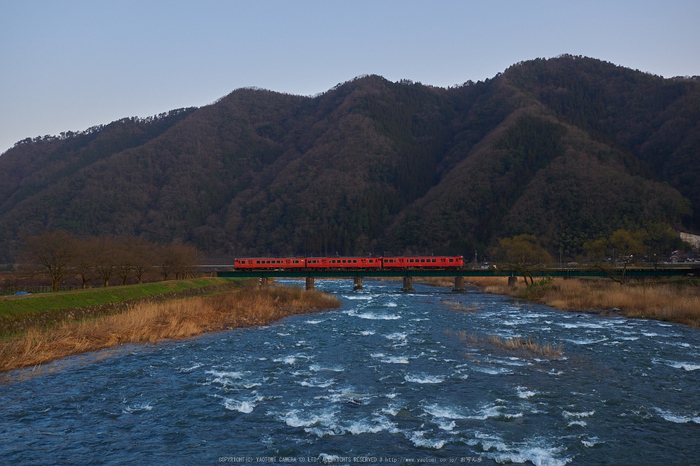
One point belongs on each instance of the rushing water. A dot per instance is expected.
(384, 378)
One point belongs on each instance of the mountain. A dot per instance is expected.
(568, 149)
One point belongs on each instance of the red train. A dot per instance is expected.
(352, 263)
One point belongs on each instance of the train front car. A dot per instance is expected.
(446, 262)
(269, 263)
(344, 263)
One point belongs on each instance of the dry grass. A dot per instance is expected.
(529, 345)
(495, 285)
(660, 301)
(510, 344)
(458, 306)
(437, 281)
(153, 322)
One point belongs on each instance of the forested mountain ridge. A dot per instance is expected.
(568, 149)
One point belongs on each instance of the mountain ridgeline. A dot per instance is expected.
(567, 149)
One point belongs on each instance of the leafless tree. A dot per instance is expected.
(144, 256)
(178, 259)
(53, 251)
(106, 259)
(84, 261)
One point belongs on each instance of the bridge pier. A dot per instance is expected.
(459, 284)
(512, 281)
(264, 281)
(407, 284)
(357, 284)
(309, 283)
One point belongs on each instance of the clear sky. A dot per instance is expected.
(66, 65)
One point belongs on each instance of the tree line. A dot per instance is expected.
(61, 255)
(612, 255)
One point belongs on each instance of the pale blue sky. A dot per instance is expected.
(68, 65)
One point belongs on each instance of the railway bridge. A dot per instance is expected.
(459, 275)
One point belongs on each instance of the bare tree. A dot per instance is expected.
(105, 259)
(54, 251)
(84, 261)
(522, 253)
(178, 259)
(623, 246)
(124, 259)
(144, 256)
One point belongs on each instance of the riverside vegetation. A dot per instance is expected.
(669, 301)
(153, 322)
(663, 300)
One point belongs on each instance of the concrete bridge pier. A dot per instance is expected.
(309, 283)
(357, 284)
(459, 284)
(407, 284)
(512, 281)
(264, 281)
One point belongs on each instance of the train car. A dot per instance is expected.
(344, 262)
(269, 263)
(440, 262)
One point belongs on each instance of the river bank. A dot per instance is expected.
(154, 322)
(20, 313)
(665, 301)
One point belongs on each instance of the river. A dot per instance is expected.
(388, 377)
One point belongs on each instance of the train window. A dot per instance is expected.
(451, 260)
(354, 261)
(422, 260)
(434, 260)
(344, 261)
(370, 261)
(257, 262)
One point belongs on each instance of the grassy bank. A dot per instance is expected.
(10, 305)
(153, 322)
(673, 302)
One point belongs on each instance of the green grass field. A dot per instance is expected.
(11, 305)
